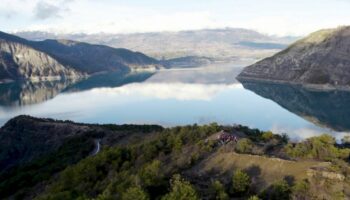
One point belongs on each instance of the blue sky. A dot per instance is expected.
(274, 17)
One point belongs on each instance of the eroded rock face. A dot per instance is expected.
(19, 61)
(58, 59)
(321, 60)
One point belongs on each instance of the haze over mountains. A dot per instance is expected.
(321, 60)
(56, 59)
(229, 43)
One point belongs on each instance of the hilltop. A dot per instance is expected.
(321, 60)
(67, 160)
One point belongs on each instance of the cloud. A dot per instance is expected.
(44, 10)
(178, 91)
(290, 17)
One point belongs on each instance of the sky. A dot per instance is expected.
(273, 17)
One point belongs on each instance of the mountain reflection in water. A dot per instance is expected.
(24, 93)
(329, 109)
(180, 97)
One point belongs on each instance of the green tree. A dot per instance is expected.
(266, 136)
(301, 190)
(135, 193)
(181, 190)
(321, 147)
(280, 191)
(219, 189)
(244, 145)
(241, 182)
(151, 174)
(253, 198)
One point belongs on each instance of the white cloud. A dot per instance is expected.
(45, 10)
(178, 91)
(296, 17)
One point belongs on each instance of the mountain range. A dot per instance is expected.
(219, 44)
(321, 61)
(57, 59)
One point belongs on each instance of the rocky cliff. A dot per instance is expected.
(20, 61)
(57, 59)
(321, 60)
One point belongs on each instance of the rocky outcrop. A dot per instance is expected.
(19, 61)
(315, 172)
(63, 59)
(321, 60)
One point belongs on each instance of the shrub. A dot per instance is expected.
(241, 182)
(244, 146)
(301, 190)
(253, 198)
(181, 190)
(151, 174)
(266, 136)
(321, 147)
(219, 189)
(135, 193)
(278, 191)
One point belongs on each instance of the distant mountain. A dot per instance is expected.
(321, 60)
(187, 61)
(229, 43)
(56, 59)
(95, 58)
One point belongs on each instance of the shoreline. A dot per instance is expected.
(310, 87)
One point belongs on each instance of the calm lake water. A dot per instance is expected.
(180, 97)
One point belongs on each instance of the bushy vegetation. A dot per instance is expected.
(219, 191)
(277, 191)
(181, 190)
(240, 182)
(136, 169)
(18, 179)
(244, 145)
(158, 166)
(322, 148)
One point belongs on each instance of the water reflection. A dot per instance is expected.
(24, 93)
(329, 109)
(179, 97)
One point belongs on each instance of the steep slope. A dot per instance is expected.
(64, 164)
(33, 150)
(25, 138)
(56, 59)
(95, 58)
(18, 60)
(320, 60)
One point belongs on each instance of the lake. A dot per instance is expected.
(179, 97)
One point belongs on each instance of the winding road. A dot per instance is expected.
(97, 147)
